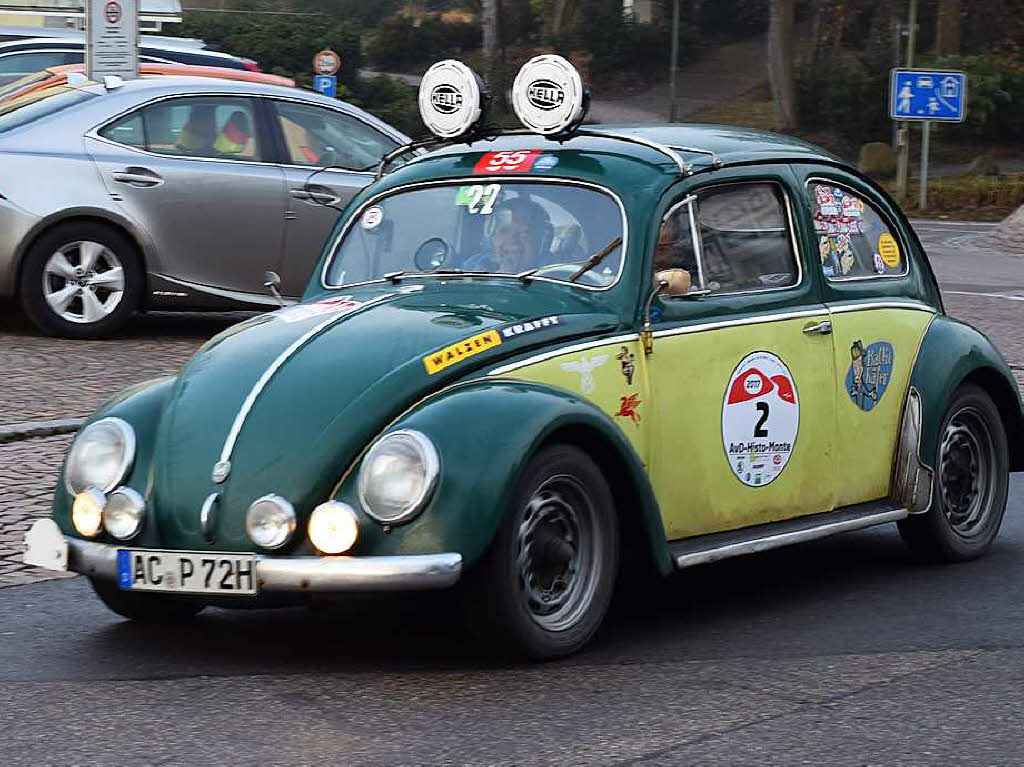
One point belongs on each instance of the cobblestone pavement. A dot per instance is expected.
(28, 470)
(55, 377)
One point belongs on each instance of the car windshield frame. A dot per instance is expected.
(482, 179)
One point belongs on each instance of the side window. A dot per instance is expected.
(31, 61)
(730, 238)
(854, 241)
(215, 126)
(128, 130)
(321, 137)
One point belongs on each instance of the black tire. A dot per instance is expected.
(561, 497)
(970, 483)
(63, 237)
(145, 608)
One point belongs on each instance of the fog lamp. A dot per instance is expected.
(270, 521)
(87, 512)
(123, 514)
(333, 527)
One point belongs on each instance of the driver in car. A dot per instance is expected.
(519, 228)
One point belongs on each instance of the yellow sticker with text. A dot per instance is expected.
(457, 352)
(889, 250)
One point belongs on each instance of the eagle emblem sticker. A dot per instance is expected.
(760, 419)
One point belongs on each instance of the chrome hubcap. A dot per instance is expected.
(966, 472)
(558, 566)
(83, 282)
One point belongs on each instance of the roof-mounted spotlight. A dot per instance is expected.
(548, 96)
(453, 100)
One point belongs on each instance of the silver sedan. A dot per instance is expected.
(171, 193)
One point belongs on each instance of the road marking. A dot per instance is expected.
(985, 295)
(923, 222)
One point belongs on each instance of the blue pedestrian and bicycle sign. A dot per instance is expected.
(326, 84)
(928, 95)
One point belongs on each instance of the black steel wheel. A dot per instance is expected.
(545, 585)
(145, 608)
(970, 482)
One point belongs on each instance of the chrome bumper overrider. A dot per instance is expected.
(413, 572)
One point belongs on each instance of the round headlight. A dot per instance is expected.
(333, 527)
(397, 476)
(100, 456)
(123, 514)
(87, 512)
(270, 521)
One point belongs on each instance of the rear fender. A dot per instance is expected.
(485, 432)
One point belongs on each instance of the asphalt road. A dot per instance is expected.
(844, 651)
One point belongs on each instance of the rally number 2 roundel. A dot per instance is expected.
(760, 419)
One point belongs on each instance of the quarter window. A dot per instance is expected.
(128, 130)
(323, 137)
(853, 239)
(730, 238)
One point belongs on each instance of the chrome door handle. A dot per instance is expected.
(300, 194)
(822, 328)
(138, 177)
(316, 196)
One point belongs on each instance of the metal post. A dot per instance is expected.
(903, 138)
(674, 62)
(925, 133)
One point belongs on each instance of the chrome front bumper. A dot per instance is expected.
(295, 575)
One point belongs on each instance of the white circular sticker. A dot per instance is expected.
(760, 419)
(372, 217)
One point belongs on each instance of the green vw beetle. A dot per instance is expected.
(529, 361)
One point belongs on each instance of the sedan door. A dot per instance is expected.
(330, 155)
(191, 172)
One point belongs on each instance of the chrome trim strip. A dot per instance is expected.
(456, 181)
(842, 308)
(264, 379)
(755, 320)
(784, 539)
(305, 574)
(563, 350)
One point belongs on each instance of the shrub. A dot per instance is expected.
(400, 43)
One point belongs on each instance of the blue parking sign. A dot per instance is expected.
(917, 94)
(326, 84)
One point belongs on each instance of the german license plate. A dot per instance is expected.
(186, 572)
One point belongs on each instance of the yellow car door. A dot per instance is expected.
(742, 370)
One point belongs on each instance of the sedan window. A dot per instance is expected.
(214, 127)
(315, 136)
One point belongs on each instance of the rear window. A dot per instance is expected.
(39, 104)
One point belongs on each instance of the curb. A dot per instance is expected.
(14, 432)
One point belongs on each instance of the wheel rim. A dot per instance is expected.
(558, 566)
(83, 282)
(967, 472)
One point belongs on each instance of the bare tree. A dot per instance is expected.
(780, 63)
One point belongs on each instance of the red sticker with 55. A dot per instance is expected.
(519, 161)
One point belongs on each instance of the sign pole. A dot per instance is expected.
(903, 137)
(925, 134)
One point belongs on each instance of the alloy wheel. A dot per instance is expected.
(83, 282)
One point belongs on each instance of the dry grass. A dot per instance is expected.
(980, 198)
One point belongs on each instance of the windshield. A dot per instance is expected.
(32, 106)
(554, 230)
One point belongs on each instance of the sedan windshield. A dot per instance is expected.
(553, 230)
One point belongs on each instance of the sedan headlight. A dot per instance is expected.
(100, 456)
(397, 476)
(270, 521)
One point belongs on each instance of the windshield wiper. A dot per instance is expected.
(596, 259)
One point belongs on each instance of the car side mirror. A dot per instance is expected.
(677, 281)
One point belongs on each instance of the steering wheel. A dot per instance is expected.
(431, 254)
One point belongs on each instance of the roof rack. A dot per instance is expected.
(716, 162)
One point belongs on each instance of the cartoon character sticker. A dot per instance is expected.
(760, 419)
(627, 360)
(869, 374)
(585, 366)
(628, 408)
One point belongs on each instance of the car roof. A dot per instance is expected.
(74, 43)
(147, 68)
(18, 34)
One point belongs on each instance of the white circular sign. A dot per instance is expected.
(372, 217)
(548, 95)
(760, 419)
(326, 63)
(451, 99)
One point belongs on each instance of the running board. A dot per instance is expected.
(714, 546)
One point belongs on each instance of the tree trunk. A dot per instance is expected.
(947, 27)
(494, 70)
(561, 17)
(780, 63)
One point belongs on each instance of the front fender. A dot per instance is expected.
(140, 406)
(485, 432)
(953, 353)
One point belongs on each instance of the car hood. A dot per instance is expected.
(302, 390)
